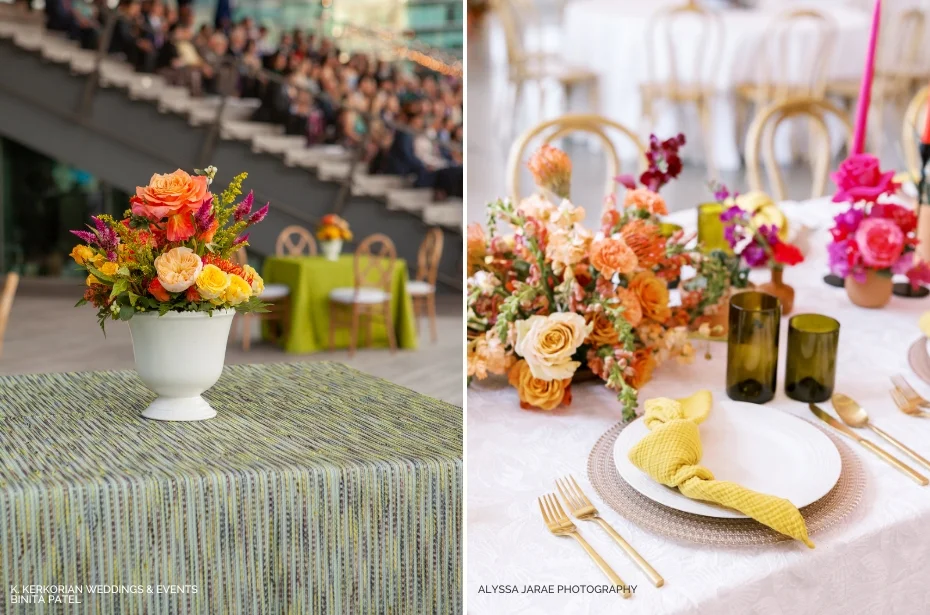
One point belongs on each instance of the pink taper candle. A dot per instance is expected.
(865, 90)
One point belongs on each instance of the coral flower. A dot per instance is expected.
(880, 241)
(551, 169)
(158, 291)
(645, 199)
(178, 269)
(169, 195)
(611, 255)
(644, 362)
(180, 227)
(632, 310)
(652, 293)
(477, 247)
(646, 241)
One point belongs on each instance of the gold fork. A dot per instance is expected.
(911, 397)
(583, 509)
(560, 525)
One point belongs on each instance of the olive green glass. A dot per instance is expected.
(752, 346)
(810, 370)
(710, 228)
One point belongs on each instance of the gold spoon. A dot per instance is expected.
(906, 407)
(855, 415)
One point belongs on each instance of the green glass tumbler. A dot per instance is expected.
(752, 346)
(810, 369)
(710, 228)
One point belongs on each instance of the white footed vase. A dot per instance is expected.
(179, 356)
(331, 248)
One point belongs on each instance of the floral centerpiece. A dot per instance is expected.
(166, 267)
(331, 232)
(760, 242)
(874, 238)
(553, 300)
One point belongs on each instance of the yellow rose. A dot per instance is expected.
(258, 284)
(81, 254)
(91, 279)
(98, 260)
(537, 393)
(109, 268)
(237, 291)
(548, 343)
(178, 269)
(212, 282)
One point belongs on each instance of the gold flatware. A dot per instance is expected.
(855, 415)
(912, 397)
(884, 455)
(907, 407)
(582, 508)
(561, 525)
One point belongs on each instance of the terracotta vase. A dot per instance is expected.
(874, 293)
(784, 292)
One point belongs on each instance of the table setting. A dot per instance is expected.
(756, 443)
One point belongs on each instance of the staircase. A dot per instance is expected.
(124, 126)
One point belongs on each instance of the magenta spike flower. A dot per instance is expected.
(259, 215)
(85, 236)
(241, 239)
(244, 208)
(203, 219)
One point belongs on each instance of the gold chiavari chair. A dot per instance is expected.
(370, 297)
(682, 84)
(914, 118)
(776, 74)
(6, 303)
(422, 288)
(761, 138)
(526, 67)
(901, 69)
(559, 127)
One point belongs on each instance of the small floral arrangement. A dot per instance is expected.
(553, 297)
(171, 250)
(873, 233)
(332, 227)
(758, 243)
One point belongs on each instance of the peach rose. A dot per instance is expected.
(169, 195)
(537, 393)
(642, 365)
(611, 255)
(642, 198)
(567, 248)
(178, 269)
(536, 206)
(652, 294)
(603, 332)
(548, 343)
(632, 310)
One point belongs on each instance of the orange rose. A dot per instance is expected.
(536, 393)
(603, 332)
(642, 198)
(169, 195)
(158, 291)
(643, 363)
(632, 310)
(644, 238)
(611, 255)
(652, 294)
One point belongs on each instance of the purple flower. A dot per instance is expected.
(729, 233)
(244, 208)
(241, 239)
(903, 264)
(846, 223)
(627, 181)
(769, 232)
(85, 236)
(732, 213)
(203, 219)
(838, 259)
(259, 215)
(754, 255)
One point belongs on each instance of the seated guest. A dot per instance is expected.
(60, 16)
(220, 76)
(179, 61)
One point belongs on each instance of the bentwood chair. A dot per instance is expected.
(277, 296)
(761, 138)
(914, 118)
(6, 303)
(538, 67)
(295, 240)
(370, 297)
(554, 129)
(422, 288)
(688, 83)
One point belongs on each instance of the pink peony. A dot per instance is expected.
(859, 178)
(880, 241)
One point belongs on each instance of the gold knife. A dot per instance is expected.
(882, 453)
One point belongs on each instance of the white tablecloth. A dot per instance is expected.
(874, 563)
(610, 38)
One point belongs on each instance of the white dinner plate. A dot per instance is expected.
(760, 448)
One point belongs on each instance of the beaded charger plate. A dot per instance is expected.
(686, 527)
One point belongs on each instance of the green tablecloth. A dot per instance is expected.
(310, 279)
(316, 489)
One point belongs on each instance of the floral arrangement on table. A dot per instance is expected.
(333, 227)
(553, 298)
(874, 238)
(171, 251)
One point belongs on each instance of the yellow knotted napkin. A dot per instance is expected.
(671, 454)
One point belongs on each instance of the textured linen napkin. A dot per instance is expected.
(671, 454)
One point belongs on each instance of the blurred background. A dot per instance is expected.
(351, 107)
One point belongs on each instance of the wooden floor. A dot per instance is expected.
(48, 334)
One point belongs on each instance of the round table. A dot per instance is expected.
(870, 563)
(610, 38)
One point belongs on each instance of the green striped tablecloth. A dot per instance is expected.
(316, 489)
